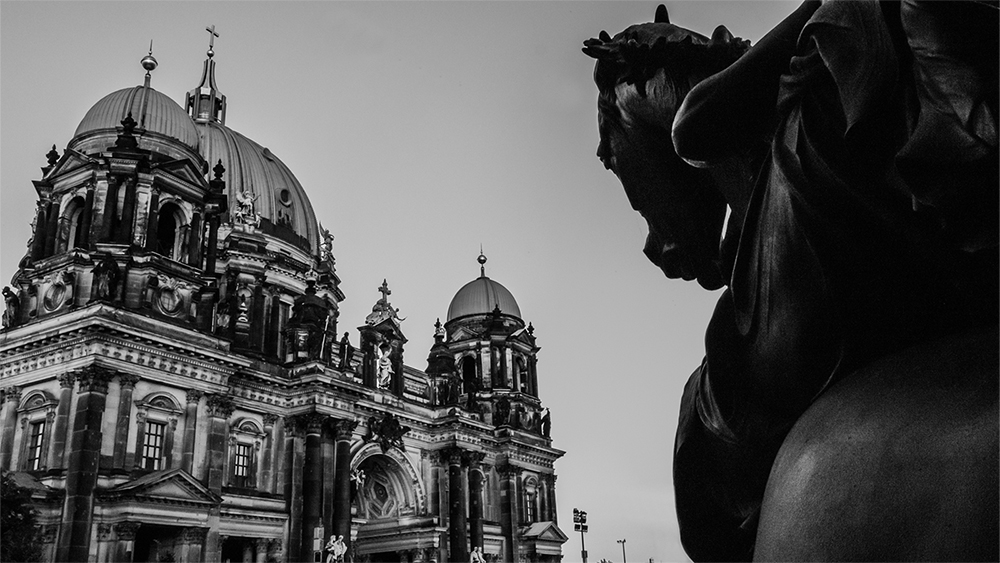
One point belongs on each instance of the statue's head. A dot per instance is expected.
(643, 75)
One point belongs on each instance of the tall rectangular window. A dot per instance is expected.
(35, 438)
(152, 445)
(241, 465)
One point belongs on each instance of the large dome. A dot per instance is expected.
(250, 167)
(162, 115)
(479, 297)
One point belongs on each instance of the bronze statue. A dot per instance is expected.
(855, 148)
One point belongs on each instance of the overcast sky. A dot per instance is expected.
(422, 130)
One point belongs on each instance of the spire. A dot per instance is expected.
(482, 262)
(206, 102)
(149, 63)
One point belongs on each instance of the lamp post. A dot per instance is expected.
(622, 541)
(580, 525)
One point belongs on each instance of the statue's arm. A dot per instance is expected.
(728, 111)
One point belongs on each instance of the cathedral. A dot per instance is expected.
(176, 387)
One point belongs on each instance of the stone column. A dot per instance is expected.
(220, 408)
(192, 544)
(104, 542)
(58, 449)
(260, 549)
(553, 512)
(266, 483)
(194, 241)
(457, 523)
(126, 382)
(312, 480)
(190, 429)
(51, 228)
(153, 219)
(38, 235)
(213, 243)
(295, 457)
(11, 398)
(124, 231)
(140, 434)
(88, 217)
(84, 457)
(476, 477)
(329, 475)
(126, 540)
(508, 524)
(344, 430)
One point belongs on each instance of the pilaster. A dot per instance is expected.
(84, 457)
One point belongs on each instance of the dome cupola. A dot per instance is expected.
(481, 296)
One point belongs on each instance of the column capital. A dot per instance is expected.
(220, 406)
(12, 393)
(66, 380)
(508, 470)
(194, 395)
(94, 378)
(193, 535)
(126, 530)
(454, 454)
(474, 459)
(314, 422)
(344, 428)
(128, 380)
(270, 419)
(103, 531)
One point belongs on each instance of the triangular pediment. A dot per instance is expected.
(172, 484)
(183, 169)
(68, 162)
(546, 532)
(463, 333)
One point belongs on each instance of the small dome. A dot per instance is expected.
(163, 115)
(281, 199)
(479, 297)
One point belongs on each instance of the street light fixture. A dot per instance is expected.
(580, 525)
(622, 541)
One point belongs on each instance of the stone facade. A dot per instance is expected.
(174, 388)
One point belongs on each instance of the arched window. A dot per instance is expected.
(469, 374)
(245, 437)
(156, 422)
(71, 225)
(168, 228)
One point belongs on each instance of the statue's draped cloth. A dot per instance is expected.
(872, 227)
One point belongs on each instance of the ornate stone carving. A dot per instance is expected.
(12, 393)
(126, 530)
(454, 454)
(103, 531)
(387, 432)
(344, 428)
(270, 419)
(193, 396)
(128, 380)
(474, 459)
(193, 535)
(508, 470)
(94, 378)
(220, 406)
(66, 380)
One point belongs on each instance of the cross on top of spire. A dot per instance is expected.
(211, 39)
(385, 291)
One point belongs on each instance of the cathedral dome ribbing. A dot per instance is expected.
(162, 115)
(481, 296)
(280, 198)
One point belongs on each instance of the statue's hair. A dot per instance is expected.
(637, 54)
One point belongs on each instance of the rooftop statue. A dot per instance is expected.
(847, 405)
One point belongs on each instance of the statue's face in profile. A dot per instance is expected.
(679, 203)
